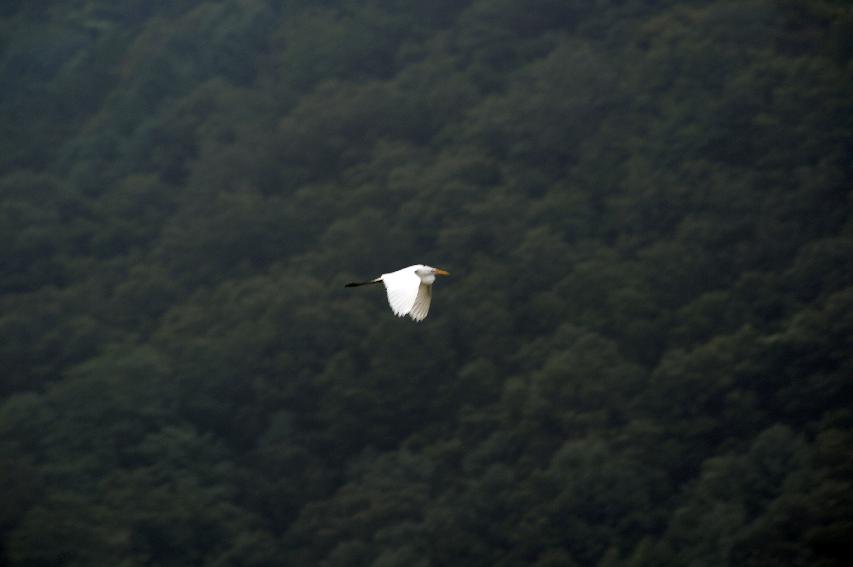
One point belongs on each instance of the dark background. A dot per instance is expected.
(642, 358)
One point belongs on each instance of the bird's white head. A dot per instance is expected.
(428, 273)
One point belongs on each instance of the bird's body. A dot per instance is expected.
(409, 290)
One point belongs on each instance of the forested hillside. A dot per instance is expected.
(642, 357)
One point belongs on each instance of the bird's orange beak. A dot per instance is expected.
(440, 272)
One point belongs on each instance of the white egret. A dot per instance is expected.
(409, 290)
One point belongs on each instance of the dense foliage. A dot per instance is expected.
(642, 357)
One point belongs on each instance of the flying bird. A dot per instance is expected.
(409, 290)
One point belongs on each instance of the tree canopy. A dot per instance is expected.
(642, 357)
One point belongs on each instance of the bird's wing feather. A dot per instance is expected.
(402, 287)
(421, 307)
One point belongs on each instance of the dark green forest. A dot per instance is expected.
(643, 356)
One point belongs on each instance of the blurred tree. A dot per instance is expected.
(642, 355)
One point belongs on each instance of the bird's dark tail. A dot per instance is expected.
(356, 284)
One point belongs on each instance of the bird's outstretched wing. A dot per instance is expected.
(421, 307)
(402, 287)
